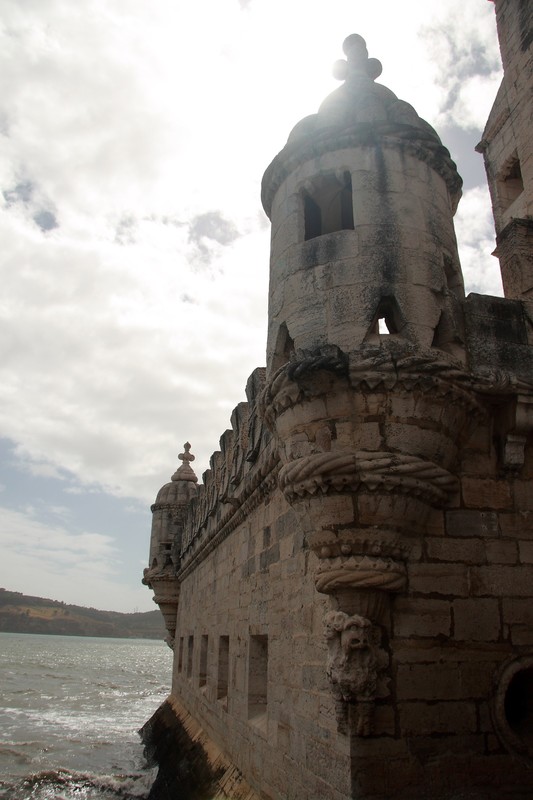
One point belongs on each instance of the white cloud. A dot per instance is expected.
(464, 63)
(475, 233)
(143, 130)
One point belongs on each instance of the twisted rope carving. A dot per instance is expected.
(310, 474)
(334, 362)
(360, 573)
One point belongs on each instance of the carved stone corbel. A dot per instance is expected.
(355, 660)
(368, 444)
(166, 588)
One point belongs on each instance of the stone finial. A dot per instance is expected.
(185, 471)
(357, 61)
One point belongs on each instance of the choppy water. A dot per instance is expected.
(70, 709)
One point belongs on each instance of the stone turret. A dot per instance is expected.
(361, 201)
(168, 513)
(366, 389)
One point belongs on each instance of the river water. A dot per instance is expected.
(70, 709)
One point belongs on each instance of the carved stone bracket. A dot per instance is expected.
(355, 660)
(166, 588)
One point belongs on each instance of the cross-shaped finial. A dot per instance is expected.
(187, 456)
(185, 471)
(357, 61)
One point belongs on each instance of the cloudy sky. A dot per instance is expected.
(134, 257)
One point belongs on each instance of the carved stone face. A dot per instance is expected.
(354, 637)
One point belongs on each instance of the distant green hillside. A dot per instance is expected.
(20, 613)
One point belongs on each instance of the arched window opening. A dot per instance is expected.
(387, 320)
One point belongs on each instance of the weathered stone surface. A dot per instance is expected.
(476, 620)
(415, 617)
(461, 522)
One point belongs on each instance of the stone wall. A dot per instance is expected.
(451, 643)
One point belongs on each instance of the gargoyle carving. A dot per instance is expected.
(353, 665)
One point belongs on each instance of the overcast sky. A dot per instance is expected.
(134, 257)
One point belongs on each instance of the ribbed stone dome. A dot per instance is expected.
(182, 484)
(360, 112)
(360, 101)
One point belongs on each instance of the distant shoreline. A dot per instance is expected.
(20, 613)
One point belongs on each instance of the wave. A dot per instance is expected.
(73, 785)
(14, 752)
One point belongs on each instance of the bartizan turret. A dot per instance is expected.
(165, 541)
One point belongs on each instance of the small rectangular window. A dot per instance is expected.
(180, 655)
(203, 660)
(257, 677)
(313, 218)
(223, 667)
(328, 205)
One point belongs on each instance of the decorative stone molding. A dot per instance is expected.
(323, 472)
(380, 367)
(284, 389)
(354, 661)
(359, 572)
(394, 135)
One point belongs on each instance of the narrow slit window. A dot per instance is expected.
(203, 660)
(180, 655)
(328, 205)
(223, 667)
(313, 218)
(257, 677)
(190, 648)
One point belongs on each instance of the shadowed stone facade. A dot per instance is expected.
(348, 592)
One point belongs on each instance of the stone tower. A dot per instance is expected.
(365, 341)
(350, 587)
(507, 147)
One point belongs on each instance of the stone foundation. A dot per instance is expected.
(191, 766)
